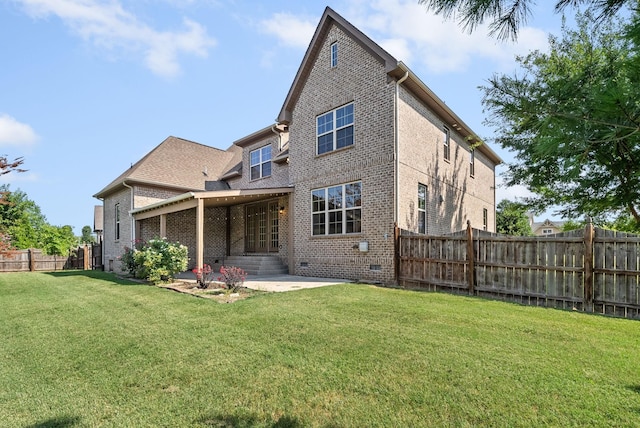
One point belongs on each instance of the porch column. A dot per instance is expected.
(163, 225)
(200, 234)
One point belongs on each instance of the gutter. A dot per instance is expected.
(396, 138)
(170, 201)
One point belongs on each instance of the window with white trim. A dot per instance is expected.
(547, 231)
(334, 54)
(446, 135)
(472, 163)
(260, 163)
(485, 218)
(422, 208)
(337, 210)
(334, 129)
(117, 221)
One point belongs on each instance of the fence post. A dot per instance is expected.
(85, 264)
(588, 266)
(471, 273)
(32, 260)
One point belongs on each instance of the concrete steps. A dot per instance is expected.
(257, 265)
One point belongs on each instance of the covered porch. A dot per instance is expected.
(222, 223)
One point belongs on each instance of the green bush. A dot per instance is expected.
(156, 261)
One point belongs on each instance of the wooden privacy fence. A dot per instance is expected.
(32, 260)
(592, 270)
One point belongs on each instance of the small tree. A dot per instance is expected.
(87, 237)
(232, 276)
(512, 219)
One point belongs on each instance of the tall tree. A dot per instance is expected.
(506, 16)
(86, 237)
(7, 166)
(512, 219)
(573, 119)
(23, 222)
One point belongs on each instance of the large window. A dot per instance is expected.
(334, 54)
(260, 162)
(117, 221)
(337, 210)
(334, 130)
(422, 208)
(446, 135)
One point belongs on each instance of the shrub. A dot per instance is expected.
(232, 276)
(204, 276)
(156, 261)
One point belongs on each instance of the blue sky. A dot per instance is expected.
(88, 87)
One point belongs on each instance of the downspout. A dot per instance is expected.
(277, 132)
(133, 226)
(396, 142)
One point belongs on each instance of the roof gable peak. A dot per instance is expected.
(329, 18)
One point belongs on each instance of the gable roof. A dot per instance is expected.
(395, 70)
(175, 163)
(546, 224)
(329, 18)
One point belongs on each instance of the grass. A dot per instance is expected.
(86, 349)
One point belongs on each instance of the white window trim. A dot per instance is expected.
(333, 56)
(335, 129)
(422, 210)
(342, 209)
(472, 163)
(446, 143)
(117, 223)
(260, 163)
(485, 219)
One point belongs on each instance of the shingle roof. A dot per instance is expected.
(176, 163)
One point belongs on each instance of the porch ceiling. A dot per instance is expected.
(216, 198)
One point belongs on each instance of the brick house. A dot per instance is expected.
(360, 144)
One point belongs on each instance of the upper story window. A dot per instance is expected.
(422, 208)
(334, 130)
(447, 143)
(334, 54)
(117, 221)
(472, 163)
(547, 231)
(337, 210)
(260, 162)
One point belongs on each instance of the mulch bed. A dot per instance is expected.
(214, 291)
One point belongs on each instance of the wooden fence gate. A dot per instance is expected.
(591, 270)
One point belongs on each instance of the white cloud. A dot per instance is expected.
(289, 29)
(414, 35)
(513, 193)
(110, 26)
(14, 133)
(440, 45)
(19, 177)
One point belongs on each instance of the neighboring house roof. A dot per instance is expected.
(394, 68)
(535, 226)
(178, 164)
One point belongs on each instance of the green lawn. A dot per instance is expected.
(82, 349)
